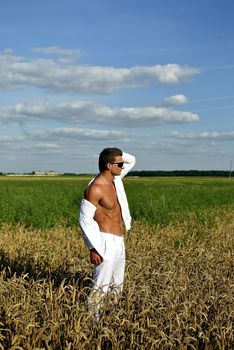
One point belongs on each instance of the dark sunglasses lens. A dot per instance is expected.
(120, 165)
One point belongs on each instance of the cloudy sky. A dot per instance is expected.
(154, 78)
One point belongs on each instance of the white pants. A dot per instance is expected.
(109, 275)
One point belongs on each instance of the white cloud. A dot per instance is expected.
(71, 142)
(87, 111)
(175, 100)
(80, 134)
(10, 145)
(182, 148)
(57, 50)
(8, 138)
(46, 146)
(17, 72)
(67, 55)
(205, 135)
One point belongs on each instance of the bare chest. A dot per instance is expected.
(109, 199)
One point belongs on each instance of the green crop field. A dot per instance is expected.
(46, 202)
(179, 282)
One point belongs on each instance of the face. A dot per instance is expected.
(116, 166)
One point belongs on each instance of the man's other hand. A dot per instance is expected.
(95, 257)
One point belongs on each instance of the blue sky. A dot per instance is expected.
(154, 78)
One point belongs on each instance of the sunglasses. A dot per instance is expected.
(119, 165)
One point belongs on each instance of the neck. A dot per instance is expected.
(107, 177)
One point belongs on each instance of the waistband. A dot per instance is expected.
(111, 236)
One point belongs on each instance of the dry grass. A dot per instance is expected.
(178, 292)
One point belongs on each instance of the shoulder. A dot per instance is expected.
(94, 191)
(94, 187)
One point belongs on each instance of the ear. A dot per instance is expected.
(108, 166)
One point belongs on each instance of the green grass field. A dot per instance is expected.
(179, 283)
(46, 202)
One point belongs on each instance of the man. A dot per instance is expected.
(104, 217)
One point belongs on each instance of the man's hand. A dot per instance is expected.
(95, 257)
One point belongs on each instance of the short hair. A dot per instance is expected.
(108, 155)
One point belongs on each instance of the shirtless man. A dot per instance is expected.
(104, 217)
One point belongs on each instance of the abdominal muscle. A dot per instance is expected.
(109, 220)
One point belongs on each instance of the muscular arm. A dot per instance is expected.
(129, 162)
(93, 194)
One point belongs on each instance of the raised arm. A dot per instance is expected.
(129, 162)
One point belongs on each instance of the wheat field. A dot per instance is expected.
(178, 291)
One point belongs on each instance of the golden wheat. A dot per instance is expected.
(178, 291)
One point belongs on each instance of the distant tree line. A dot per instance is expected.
(75, 174)
(218, 173)
(143, 173)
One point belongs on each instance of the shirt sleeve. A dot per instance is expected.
(89, 227)
(129, 162)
